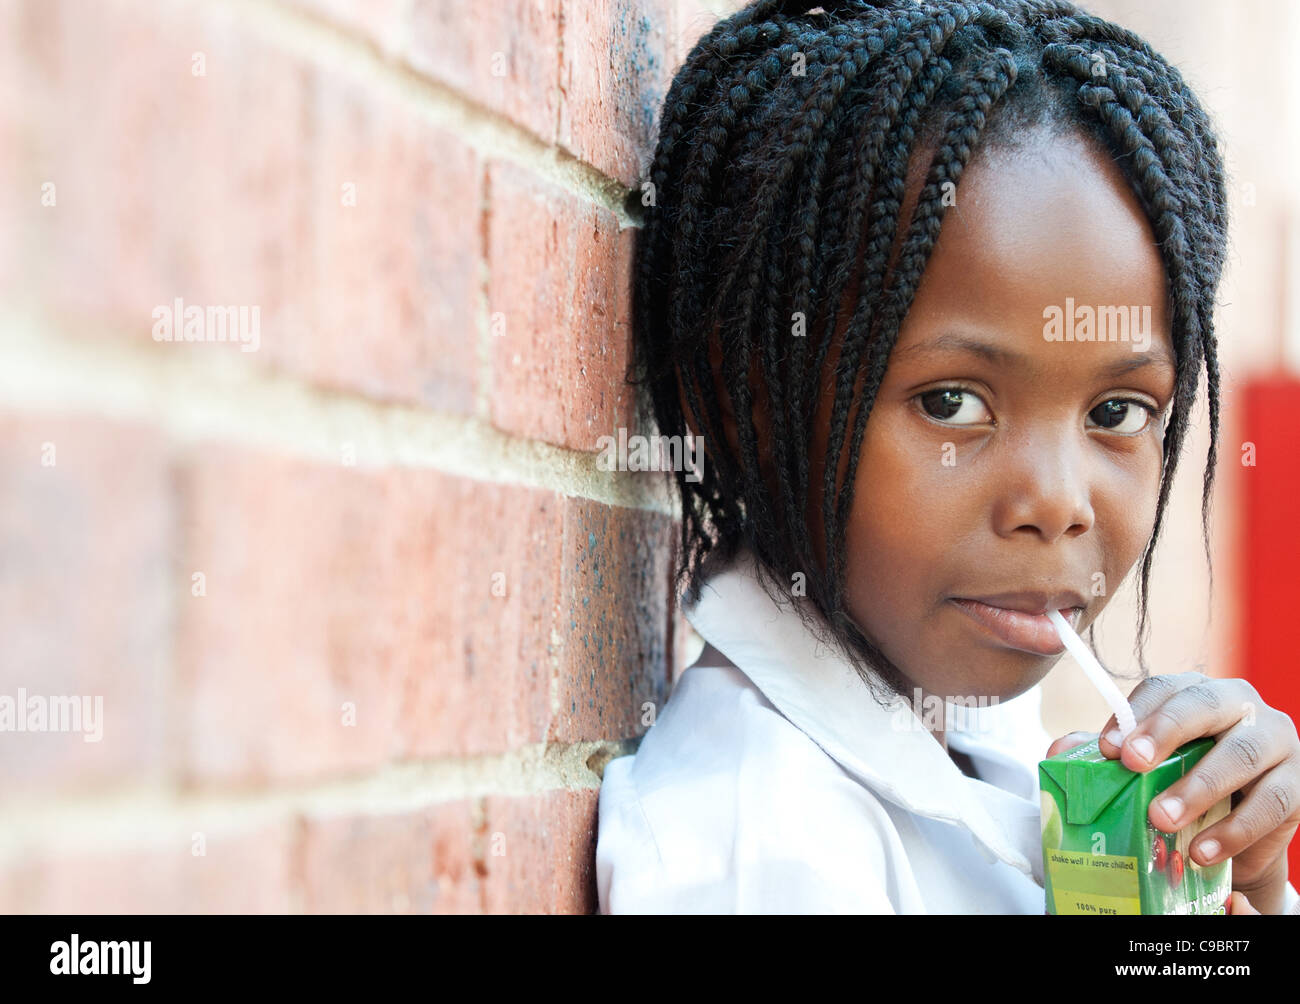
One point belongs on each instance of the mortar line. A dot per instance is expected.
(205, 392)
(142, 817)
(488, 132)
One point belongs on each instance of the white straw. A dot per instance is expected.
(1096, 673)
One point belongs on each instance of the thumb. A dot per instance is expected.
(1238, 903)
(1069, 742)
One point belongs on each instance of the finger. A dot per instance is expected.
(1144, 699)
(1240, 756)
(1069, 742)
(1267, 807)
(1238, 903)
(1204, 708)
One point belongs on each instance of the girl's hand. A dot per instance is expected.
(1238, 903)
(1255, 760)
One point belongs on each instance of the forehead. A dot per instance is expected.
(1032, 225)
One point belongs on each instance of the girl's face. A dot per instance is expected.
(997, 461)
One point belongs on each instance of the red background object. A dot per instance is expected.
(1270, 540)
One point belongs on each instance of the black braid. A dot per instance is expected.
(778, 194)
(1142, 130)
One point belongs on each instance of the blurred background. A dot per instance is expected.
(313, 596)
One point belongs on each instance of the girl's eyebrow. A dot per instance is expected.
(953, 342)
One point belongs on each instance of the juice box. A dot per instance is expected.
(1101, 855)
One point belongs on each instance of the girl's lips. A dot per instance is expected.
(1027, 632)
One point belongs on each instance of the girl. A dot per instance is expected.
(934, 281)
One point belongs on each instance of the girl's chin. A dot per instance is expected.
(995, 680)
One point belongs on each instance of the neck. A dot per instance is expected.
(924, 704)
(710, 656)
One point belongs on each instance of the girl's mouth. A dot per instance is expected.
(1024, 631)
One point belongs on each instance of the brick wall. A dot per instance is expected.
(365, 616)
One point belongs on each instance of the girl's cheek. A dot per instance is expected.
(1126, 515)
(902, 520)
(894, 494)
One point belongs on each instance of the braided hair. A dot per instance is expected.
(778, 195)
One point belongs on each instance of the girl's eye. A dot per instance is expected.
(1122, 415)
(960, 406)
(955, 405)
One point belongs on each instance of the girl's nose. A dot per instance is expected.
(1043, 488)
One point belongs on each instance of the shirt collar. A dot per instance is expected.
(820, 693)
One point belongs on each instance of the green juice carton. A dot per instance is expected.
(1101, 855)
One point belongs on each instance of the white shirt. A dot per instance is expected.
(781, 786)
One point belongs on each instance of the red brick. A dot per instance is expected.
(228, 189)
(508, 854)
(66, 140)
(461, 46)
(559, 270)
(613, 78)
(17, 192)
(615, 613)
(86, 596)
(395, 278)
(332, 585)
(415, 862)
(14, 883)
(240, 872)
(328, 584)
(549, 845)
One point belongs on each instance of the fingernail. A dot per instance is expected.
(1113, 737)
(1209, 849)
(1144, 748)
(1173, 808)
